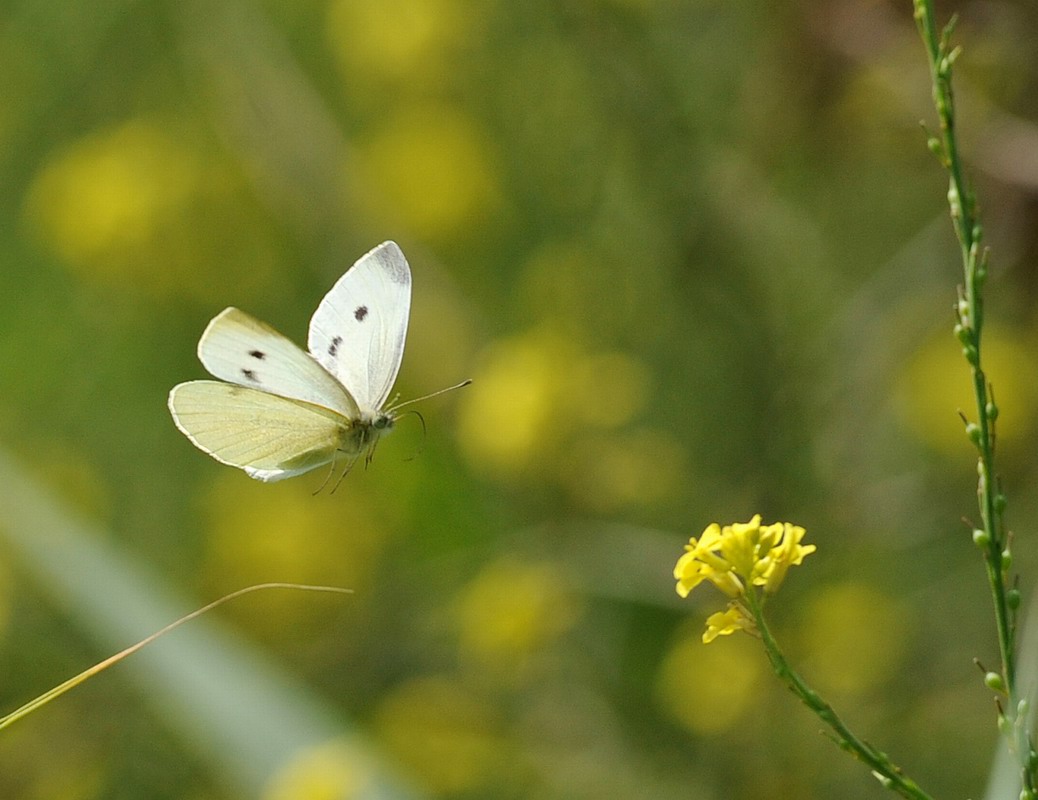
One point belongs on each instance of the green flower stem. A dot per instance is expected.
(888, 773)
(970, 311)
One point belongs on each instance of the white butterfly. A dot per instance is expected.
(286, 412)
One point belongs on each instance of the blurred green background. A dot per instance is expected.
(696, 258)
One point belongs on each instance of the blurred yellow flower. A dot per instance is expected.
(260, 532)
(444, 734)
(532, 393)
(855, 636)
(513, 401)
(741, 555)
(935, 383)
(106, 198)
(432, 171)
(139, 207)
(710, 689)
(403, 40)
(331, 771)
(511, 609)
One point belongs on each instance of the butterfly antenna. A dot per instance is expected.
(427, 396)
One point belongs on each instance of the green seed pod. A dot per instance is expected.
(981, 538)
(994, 681)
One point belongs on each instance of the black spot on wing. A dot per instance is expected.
(333, 348)
(250, 375)
(360, 313)
(258, 354)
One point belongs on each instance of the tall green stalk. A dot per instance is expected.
(991, 535)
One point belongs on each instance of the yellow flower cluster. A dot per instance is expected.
(735, 557)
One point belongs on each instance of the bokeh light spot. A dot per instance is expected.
(511, 609)
(432, 171)
(330, 771)
(855, 635)
(710, 689)
(111, 193)
(936, 383)
(395, 39)
(443, 733)
(282, 532)
(511, 412)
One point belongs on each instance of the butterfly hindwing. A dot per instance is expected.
(269, 436)
(239, 348)
(358, 330)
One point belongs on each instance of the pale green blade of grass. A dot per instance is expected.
(223, 696)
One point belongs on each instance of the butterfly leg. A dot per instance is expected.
(346, 471)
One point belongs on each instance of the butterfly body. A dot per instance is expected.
(278, 411)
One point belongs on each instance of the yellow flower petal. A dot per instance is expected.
(725, 623)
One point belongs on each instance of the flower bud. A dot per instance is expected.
(973, 432)
(981, 538)
(1013, 598)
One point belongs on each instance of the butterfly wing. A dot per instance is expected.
(268, 436)
(358, 330)
(237, 347)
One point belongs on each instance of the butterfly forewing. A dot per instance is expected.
(268, 436)
(358, 330)
(239, 348)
